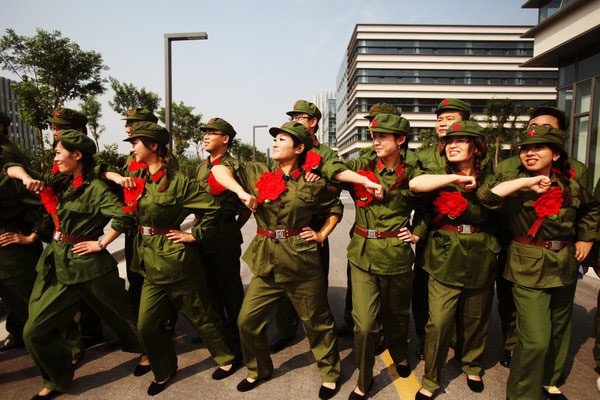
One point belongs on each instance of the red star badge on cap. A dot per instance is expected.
(445, 102)
(372, 108)
(295, 105)
(456, 127)
(531, 132)
(283, 125)
(57, 115)
(374, 124)
(128, 112)
(210, 121)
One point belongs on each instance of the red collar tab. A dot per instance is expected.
(294, 174)
(380, 165)
(217, 161)
(213, 163)
(440, 147)
(156, 177)
(77, 181)
(399, 169)
(315, 143)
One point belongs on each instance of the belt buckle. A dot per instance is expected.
(465, 228)
(146, 231)
(553, 244)
(57, 235)
(371, 234)
(279, 233)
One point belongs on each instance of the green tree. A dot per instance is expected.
(185, 125)
(93, 110)
(109, 155)
(427, 137)
(502, 125)
(243, 152)
(53, 69)
(127, 96)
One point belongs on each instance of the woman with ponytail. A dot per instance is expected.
(460, 257)
(167, 257)
(75, 267)
(554, 222)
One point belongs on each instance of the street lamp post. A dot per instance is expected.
(254, 140)
(170, 37)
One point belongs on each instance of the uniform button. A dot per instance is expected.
(278, 222)
(276, 241)
(282, 205)
(145, 245)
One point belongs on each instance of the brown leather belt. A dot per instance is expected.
(548, 244)
(61, 237)
(460, 228)
(149, 231)
(375, 234)
(278, 233)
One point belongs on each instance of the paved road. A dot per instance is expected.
(106, 371)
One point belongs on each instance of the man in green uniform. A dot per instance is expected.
(221, 253)
(448, 112)
(309, 115)
(542, 116)
(596, 254)
(66, 118)
(20, 247)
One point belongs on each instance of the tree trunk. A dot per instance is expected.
(496, 156)
(40, 137)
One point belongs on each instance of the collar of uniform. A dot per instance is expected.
(77, 181)
(156, 177)
(294, 175)
(315, 143)
(213, 163)
(381, 167)
(440, 147)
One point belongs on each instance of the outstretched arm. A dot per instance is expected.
(225, 177)
(354, 178)
(427, 183)
(538, 184)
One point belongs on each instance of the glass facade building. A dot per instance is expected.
(20, 133)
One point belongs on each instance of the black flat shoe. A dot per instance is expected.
(53, 394)
(505, 359)
(380, 347)
(475, 386)
(155, 388)
(420, 351)
(554, 396)
(77, 362)
(421, 396)
(279, 344)
(141, 370)
(11, 343)
(403, 370)
(220, 373)
(245, 385)
(326, 393)
(356, 396)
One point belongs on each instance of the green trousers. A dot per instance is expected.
(420, 301)
(388, 295)
(136, 281)
(225, 283)
(15, 292)
(467, 309)
(309, 299)
(192, 298)
(544, 331)
(597, 329)
(51, 310)
(287, 318)
(506, 305)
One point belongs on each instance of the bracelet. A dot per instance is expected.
(100, 244)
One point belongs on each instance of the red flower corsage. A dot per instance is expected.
(135, 166)
(215, 187)
(363, 197)
(451, 204)
(312, 161)
(133, 195)
(269, 187)
(548, 205)
(50, 202)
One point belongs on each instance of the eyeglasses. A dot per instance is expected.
(299, 117)
(212, 134)
(455, 140)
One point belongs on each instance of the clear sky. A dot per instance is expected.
(260, 55)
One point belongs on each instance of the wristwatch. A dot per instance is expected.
(100, 244)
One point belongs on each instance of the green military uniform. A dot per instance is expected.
(381, 266)
(544, 278)
(597, 317)
(287, 319)
(173, 272)
(460, 259)
(19, 211)
(288, 266)
(65, 279)
(221, 253)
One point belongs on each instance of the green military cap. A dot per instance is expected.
(219, 124)
(4, 120)
(390, 123)
(140, 114)
(542, 134)
(381, 108)
(465, 128)
(303, 106)
(149, 130)
(67, 116)
(78, 140)
(563, 121)
(454, 105)
(296, 129)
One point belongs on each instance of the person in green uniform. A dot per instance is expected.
(221, 253)
(541, 116)
(596, 255)
(380, 250)
(553, 221)
(460, 257)
(448, 112)
(284, 256)
(168, 258)
(75, 267)
(309, 115)
(20, 246)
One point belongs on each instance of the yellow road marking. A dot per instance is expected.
(406, 387)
